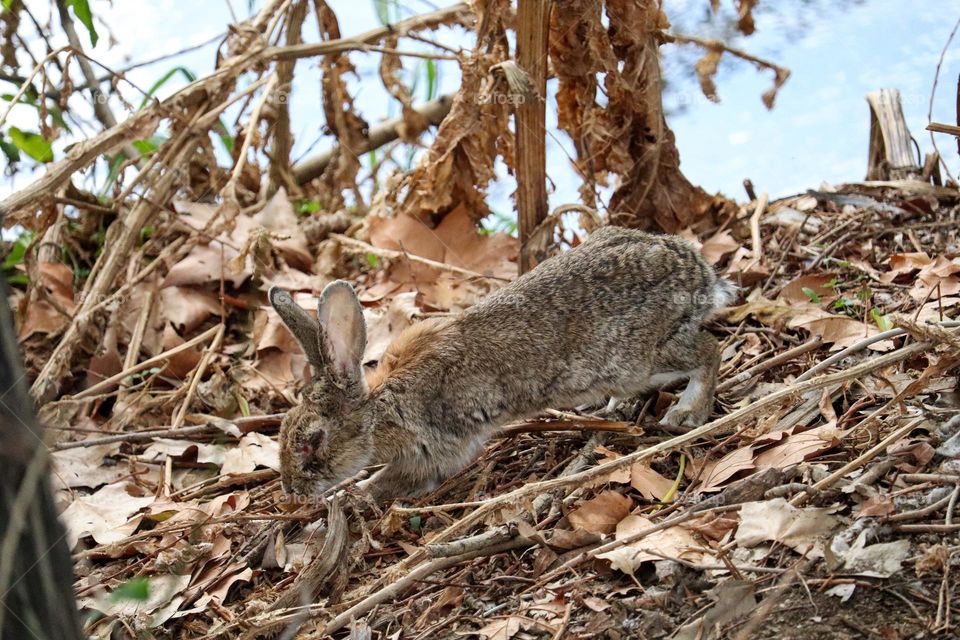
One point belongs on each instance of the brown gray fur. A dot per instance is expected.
(619, 315)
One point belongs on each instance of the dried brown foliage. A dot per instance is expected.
(627, 135)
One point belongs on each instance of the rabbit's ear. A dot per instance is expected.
(304, 328)
(343, 333)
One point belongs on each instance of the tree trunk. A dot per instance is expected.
(36, 576)
(530, 118)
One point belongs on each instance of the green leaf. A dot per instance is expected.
(137, 589)
(810, 293)
(225, 138)
(244, 406)
(844, 304)
(431, 80)
(145, 233)
(81, 9)
(116, 163)
(415, 522)
(189, 75)
(148, 146)
(882, 321)
(10, 150)
(19, 250)
(382, 7)
(7, 4)
(307, 207)
(372, 260)
(32, 144)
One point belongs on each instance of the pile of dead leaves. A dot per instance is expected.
(167, 472)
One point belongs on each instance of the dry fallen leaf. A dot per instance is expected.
(85, 467)
(388, 322)
(713, 476)
(675, 542)
(602, 513)
(186, 308)
(648, 482)
(776, 520)
(105, 514)
(455, 241)
(717, 246)
(798, 447)
(839, 331)
(254, 450)
(279, 218)
(799, 289)
(773, 313)
(880, 560)
(937, 280)
(501, 628)
(732, 599)
(163, 600)
(621, 475)
(160, 448)
(905, 263)
(41, 316)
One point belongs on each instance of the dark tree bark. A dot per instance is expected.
(36, 575)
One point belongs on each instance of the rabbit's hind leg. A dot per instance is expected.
(699, 360)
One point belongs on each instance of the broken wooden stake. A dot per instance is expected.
(891, 153)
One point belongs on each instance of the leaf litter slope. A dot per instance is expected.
(203, 519)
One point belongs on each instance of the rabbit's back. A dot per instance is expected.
(598, 320)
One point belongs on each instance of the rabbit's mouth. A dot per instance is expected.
(306, 489)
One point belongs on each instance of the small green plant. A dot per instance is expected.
(883, 322)
(307, 207)
(845, 304)
(244, 405)
(145, 234)
(372, 261)
(136, 589)
(18, 252)
(810, 293)
(499, 223)
(415, 522)
(432, 79)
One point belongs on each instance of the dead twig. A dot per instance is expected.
(397, 587)
(390, 254)
(859, 461)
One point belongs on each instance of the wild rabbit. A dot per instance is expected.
(618, 315)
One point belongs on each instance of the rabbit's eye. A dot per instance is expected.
(313, 442)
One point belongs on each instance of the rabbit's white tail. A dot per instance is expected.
(724, 293)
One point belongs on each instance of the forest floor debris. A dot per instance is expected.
(826, 501)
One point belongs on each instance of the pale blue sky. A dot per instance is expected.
(817, 132)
